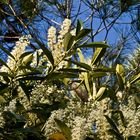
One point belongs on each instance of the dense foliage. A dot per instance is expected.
(57, 92)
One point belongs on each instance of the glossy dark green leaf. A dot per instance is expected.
(64, 128)
(133, 138)
(7, 52)
(82, 33)
(31, 78)
(116, 134)
(5, 74)
(98, 54)
(3, 88)
(27, 89)
(82, 65)
(3, 63)
(46, 52)
(112, 123)
(94, 45)
(79, 26)
(121, 116)
(68, 41)
(31, 69)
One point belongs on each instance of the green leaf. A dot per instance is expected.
(94, 45)
(74, 70)
(46, 52)
(27, 89)
(100, 93)
(2, 100)
(82, 33)
(79, 26)
(98, 74)
(68, 41)
(103, 69)
(112, 123)
(81, 56)
(98, 54)
(116, 134)
(30, 78)
(64, 128)
(26, 54)
(7, 52)
(82, 65)
(5, 74)
(120, 76)
(135, 78)
(27, 59)
(133, 138)
(121, 116)
(3, 86)
(61, 75)
(120, 70)
(3, 63)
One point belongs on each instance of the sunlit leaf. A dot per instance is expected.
(26, 54)
(98, 54)
(120, 76)
(100, 93)
(27, 59)
(135, 78)
(57, 136)
(68, 41)
(64, 128)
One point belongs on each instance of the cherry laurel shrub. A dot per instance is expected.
(55, 91)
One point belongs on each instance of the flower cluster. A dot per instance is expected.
(57, 48)
(46, 94)
(132, 118)
(17, 51)
(81, 118)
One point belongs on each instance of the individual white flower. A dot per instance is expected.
(119, 95)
